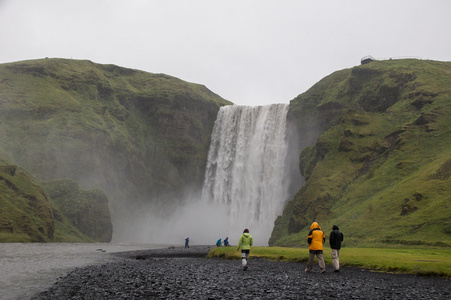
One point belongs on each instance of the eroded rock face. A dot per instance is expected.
(57, 211)
(374, 136)
(25, 211)
(87, 210)
(138, 136)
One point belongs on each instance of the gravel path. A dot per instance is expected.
(178, 273)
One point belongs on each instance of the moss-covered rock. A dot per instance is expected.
(142, 138)
(382, 139)
(57, 211)
(86, 210)
(25, 212)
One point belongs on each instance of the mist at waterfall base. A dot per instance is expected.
(252, 171)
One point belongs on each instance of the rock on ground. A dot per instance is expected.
(180, 273)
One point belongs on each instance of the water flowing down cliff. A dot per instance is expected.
(247, 170)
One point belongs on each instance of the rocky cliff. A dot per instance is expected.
(81, 141)
(377, 156)
(140, 137)
(25, 212)
(57, 211)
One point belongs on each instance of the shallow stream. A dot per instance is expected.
(27, 269)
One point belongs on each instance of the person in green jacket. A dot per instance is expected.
(245, 244)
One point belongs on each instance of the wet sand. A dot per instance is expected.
(179, 273)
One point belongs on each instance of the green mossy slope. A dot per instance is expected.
(25, 212)
(380, 166)
(57, 211)
(80, 215)
(142, 138)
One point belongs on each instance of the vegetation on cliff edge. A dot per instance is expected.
(380, 167)
(142, 138)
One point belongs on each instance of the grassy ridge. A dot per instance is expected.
(135, 135)
(418, 261)
(380, 167)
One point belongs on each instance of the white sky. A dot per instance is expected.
(249, 52)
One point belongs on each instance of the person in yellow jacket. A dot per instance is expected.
(316, 239)
(245, 244)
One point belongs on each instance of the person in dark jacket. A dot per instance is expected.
(335, 239)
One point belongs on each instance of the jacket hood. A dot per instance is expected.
(335, 227)
(246, 234)
(315, 225)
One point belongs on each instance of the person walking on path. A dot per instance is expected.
(187, 242)
(335, 239)
(316, 239)
(245, 243)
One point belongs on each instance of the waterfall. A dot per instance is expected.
(247, 172)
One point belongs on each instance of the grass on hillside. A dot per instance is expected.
(380, 169)
(418, 261)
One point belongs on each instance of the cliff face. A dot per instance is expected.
(82, 141)
(139, 137)
(73, 206)
(25, 212)
(377, 156)
(57, 211)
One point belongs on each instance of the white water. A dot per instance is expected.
(251, 173)
(247, 172)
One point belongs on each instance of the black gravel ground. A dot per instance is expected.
(179, 273)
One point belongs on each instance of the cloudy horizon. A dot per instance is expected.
(248, 52)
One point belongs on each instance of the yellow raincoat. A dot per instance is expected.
(316, 237)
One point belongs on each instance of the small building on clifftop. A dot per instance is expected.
(366, 60)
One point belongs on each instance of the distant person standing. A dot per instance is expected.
(245, 243)
(335, 239)
(187, 242)
(226, 241)
(218, 243)
(316, 239)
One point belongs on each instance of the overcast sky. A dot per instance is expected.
(248, 52)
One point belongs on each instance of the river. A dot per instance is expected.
(27, 269)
